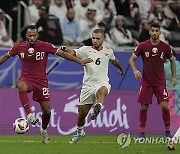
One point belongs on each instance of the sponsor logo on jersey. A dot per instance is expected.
(154, 55)
(147, 54)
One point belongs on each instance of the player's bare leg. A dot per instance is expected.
(23, 89)
(46, 114)
(100, 97)
(166, 118)
(143, 119)
(83, 110)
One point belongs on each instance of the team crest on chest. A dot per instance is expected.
(147, 54)
(154, 50)
(31, 50)
(22, 54)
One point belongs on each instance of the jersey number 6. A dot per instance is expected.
(98, 62)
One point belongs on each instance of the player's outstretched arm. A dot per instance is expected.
(4, 58)
(173, 70)
(70, 57)
(118, 65)
(65, 49)
(137, 74)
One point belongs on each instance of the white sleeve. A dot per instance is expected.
(81, 53)
(112, 56)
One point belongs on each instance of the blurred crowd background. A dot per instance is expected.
(71, 22)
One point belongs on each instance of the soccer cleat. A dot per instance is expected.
(76, 138)
(33, 120)
(97, 109)
(141, 137)
(168, 136)
(171, 145)
(44, 135)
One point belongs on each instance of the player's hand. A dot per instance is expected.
(137, 74)
(63, 48)
(173, 82)
(121, 72)
(85, 61)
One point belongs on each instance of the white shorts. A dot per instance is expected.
(88, 93)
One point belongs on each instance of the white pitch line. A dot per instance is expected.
(28, 141)
(7, 141)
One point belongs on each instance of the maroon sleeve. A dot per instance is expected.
(50, 48)
(137, 50)
(13, 51)
(169, 54)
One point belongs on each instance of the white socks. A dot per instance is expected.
(80, 130)
(100, 104)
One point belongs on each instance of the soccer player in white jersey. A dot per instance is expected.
(95, 82)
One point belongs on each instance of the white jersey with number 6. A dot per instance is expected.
(96, 71)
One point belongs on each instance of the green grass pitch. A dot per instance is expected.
(91, 144)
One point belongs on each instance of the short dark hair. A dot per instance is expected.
(155, 24)
(99, 31)
(101, 24)
(31, 27)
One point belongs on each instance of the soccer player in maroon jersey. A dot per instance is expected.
(33, 55)
(153, 53)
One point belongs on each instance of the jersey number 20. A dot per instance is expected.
(39, 55)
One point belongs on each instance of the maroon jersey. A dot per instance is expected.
(153, 57)
(33, 59)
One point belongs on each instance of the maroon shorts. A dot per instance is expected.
(38, 87)
(146, 93)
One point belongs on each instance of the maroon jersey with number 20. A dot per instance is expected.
(33, 59)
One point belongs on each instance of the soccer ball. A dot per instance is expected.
(21, 126)
(171, 145)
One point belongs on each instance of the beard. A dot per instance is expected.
(31, 43)
(96, 45)
(154, 38)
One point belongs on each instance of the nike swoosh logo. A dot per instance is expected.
(154, 55)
